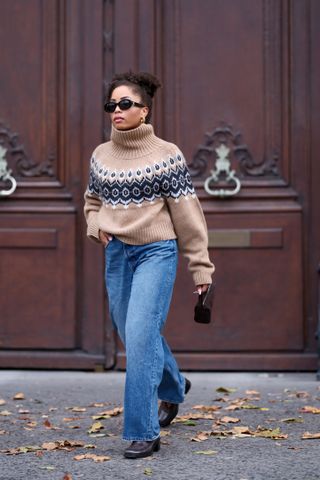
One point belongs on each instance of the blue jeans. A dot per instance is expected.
(139, 280)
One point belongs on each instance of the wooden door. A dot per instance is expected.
(236, 74)
(51, 304)
(239, 74)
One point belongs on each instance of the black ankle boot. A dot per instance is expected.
(168, 411)
(142, 449)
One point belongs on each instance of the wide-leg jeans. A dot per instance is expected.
(139, 281)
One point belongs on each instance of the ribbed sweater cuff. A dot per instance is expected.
(93, 229)
(202, 278)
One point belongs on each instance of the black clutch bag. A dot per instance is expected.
(202, 310)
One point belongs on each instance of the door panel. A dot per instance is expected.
(258, 301)
(37, 275)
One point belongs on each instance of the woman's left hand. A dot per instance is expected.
(202, 288)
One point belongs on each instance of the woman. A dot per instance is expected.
(140, 204)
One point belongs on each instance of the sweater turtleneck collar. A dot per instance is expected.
(134, 143)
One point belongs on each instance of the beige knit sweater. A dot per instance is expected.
(140, 191)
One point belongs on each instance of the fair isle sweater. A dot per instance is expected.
(140, 191)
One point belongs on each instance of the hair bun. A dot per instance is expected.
(149, 82)
(145, 80)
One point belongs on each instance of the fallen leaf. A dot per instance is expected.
(229, 420)
(165, 433)
(77, 409)
(112, 413)
(148, 471)
(292, 420)
(92, 456)
(194, 416)
(206, 452)
(189, 423)
(50, 445)
(201, 437)
(5, 413)
(226, 390)
(19, 396)
(71, 419)
(62, 445)
(207, 408)
(49, 425)
(249, 406)
(95, 427)
(2, 401)
(100, 417)
(252, 392)
(101, 404)
(241, 432)
(310, 409)
(24, 449)
(23, 412)
(310, 436)
(274, 434)
(67, 476)
(89, 445)
(32, 424)
(47, 467)
(100, 435)
(302, 394)
(2, 432)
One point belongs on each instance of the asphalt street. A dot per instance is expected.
(247, 426)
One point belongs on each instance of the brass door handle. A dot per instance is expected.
(5, 175)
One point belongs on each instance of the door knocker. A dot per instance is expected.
(5, 174)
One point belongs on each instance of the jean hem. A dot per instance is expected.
(140, 439)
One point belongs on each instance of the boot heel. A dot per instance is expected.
(157, 445)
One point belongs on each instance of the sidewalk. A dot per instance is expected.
(58, 406)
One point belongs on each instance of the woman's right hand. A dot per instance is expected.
(104, 237)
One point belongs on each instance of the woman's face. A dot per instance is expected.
(131, 118)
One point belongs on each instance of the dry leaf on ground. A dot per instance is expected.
(310, 436)
(201, 437)
(62, 445)
(49, 425)
(2, 401)
(292, 420)
(95, 427)
(76, 409)
(193, 416)
(19, 396)
(274, 434)
(23, 449)
(92, 456)
(227, 419)
(207, 408)
(5, 413)
(226, 390)
(147, 471)
(206, 452)
(309, 409)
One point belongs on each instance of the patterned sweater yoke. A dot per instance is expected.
(140, 191)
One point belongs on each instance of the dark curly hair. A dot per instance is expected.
(143, 84)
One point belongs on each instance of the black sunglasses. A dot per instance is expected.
(124, 104)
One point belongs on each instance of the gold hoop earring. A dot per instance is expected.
(142, 120)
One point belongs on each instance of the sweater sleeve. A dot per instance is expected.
(92, 206)
(188, 220)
